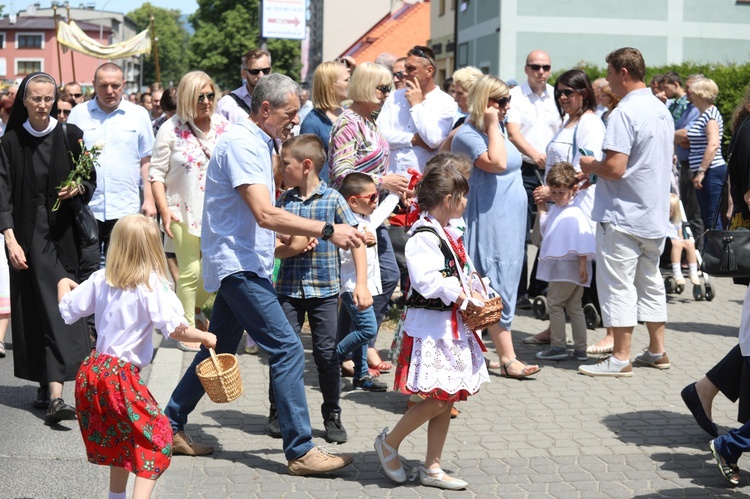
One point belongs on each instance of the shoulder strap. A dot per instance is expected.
(732, 145)
(447, 253)
(240, 102)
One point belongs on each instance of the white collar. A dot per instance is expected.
(51, 126)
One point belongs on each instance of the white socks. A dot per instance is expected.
(693, 270)
(618, 362)
(117, 495)
(677, 271)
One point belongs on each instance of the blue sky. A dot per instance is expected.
(125, 6)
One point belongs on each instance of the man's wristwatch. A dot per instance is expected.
(327, 232)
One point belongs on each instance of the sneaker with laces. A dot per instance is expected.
(651, 360)
(579, 355)
(318, 461)
(273, 427)
(552, 353)
(606, 367)
(369, 384)
(183, 445)
(335, 432)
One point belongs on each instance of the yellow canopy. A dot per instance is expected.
(70, 35)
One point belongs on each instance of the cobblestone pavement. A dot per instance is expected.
(561, 434)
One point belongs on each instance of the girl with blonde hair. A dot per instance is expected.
(121, 422)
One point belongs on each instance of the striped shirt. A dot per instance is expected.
(356, 146)
(699, 140)
(314, 274)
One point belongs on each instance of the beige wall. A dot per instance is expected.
(345, 21)
(441, 31)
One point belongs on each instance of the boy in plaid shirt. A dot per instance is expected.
(309, 280)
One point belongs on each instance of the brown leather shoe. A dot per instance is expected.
(183, 445)
(318, 461)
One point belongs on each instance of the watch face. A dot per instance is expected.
(327, 231)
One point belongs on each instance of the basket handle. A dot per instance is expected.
(215, 360)
(481, 281)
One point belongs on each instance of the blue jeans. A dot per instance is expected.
(708, 196)
(733, 444)
(248, 302)
(321, 312)
(364, 328)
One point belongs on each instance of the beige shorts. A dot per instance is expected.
(628, 280)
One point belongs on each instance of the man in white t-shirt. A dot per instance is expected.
(631, 207)
(255, 65)
(533, 120)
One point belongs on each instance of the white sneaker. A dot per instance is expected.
(607, 368)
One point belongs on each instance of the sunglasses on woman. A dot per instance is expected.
(502, 101)
(370, 197)
(210, 96)
(386, 89)
(566, 92)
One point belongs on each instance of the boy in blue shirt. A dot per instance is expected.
(308, 281)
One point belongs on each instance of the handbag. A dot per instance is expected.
(726, 253)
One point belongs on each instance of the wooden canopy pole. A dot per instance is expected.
(72, 61)
(59, 62)
(155, 41)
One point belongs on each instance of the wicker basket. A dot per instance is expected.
(490, 313)
(220, 376)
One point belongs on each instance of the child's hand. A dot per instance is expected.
(370, 239)
(64, 287)
(209, 340)
(583, 271)
(362, 297)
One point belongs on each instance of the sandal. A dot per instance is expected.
(595, 350)
(383, 367)
(506, 374)
(492, 364)
(730, 473)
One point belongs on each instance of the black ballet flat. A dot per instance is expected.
(693, 402)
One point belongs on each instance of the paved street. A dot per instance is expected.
(559, 435)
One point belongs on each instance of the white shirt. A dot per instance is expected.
(536, 114)
(432, 119)
(125, 318)
(180, 164)
(229, 108)
(369, 224)
(745, 326)
(128, 138)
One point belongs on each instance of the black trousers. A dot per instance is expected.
(732, 378)
(690, 203)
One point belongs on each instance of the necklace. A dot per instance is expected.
(458, 248)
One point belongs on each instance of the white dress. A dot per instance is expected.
(439, 360)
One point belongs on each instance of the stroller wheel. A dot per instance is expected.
(679, 288)
(593, 320)
(670, 284)
(698, 292)
(709, 292)
(540, 308)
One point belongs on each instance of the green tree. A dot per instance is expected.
(224, 31)
(172, 43)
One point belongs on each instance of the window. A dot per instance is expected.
(2, 40)
(28, 66)
(441, 8)
(29, 40)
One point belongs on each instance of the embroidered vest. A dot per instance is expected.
(414, 299)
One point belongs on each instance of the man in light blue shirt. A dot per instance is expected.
(632, 208)
(125, 130)
(238, 241)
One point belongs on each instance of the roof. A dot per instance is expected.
(43, 24)
(396, 33)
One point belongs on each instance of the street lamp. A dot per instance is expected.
(101, 20)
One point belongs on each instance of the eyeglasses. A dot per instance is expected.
(566, 92)
(421, 53)
(502, 101)
(537, 67)
(76, 96)
(38, 99)
(398, 74)
(210, 96)
(371, 197)
(64, 112)
(386, 89)
(256, 72)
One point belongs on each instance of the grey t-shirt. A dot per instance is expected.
(638, 202)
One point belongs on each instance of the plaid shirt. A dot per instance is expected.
(678, 107)
(314, 274)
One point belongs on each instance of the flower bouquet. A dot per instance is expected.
(82, 168)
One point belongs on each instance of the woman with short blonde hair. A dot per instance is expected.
(463, 81)
(705, 89)
(367, 77)
(495, 213)
(179, 162)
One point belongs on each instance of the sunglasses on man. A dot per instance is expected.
(537, 67)
(256, 72)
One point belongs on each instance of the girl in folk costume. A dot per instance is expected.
(122, 425)
(440, 358)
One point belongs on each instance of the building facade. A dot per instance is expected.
(442, 38)
(496, 35)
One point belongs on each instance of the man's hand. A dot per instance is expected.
(587, 164)
(413, 93)
(540, 159)
(346, 237)
(416, 140)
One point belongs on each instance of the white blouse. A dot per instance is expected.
(179, 162)
(125, 318)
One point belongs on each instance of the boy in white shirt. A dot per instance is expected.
(361, 194)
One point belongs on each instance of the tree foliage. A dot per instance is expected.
(224, 31)
(172, 43)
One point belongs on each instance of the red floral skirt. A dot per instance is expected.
(402, 375)
(120, 421)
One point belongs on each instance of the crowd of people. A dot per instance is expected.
(288, 206)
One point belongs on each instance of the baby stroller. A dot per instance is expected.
(590, 301)
(702, 291)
